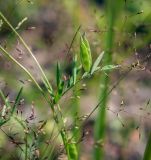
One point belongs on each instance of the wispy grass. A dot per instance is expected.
(53, 95)
(69, 147)
(62, 87)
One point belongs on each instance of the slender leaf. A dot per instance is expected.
(109, 67)
(4, 99)
(147, 153)
(2, 122)
(74, 69)
(58, 74)
(59, 91)
(97, 62)
(1, 24)
(17, 100)
(21, 22)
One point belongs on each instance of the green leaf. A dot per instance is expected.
(7, 105)
(5, 99)
(60, 83)
(97, 62)
(48, 86)
(109, 67)
(85, 54)
(17, 100)
(4, 110)
(147, 153)
(58, 74)
(1, 23)
(74, 69)
(59, 91)
(21, 22)
(2, 122)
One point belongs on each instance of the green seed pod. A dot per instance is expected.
(73, 152)
(85, 53)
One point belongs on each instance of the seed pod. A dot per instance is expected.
(85, 54)
(73, 151)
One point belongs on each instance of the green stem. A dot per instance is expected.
(26, 147)
(147, 153)
(100, 124)
(28, 49)
(6, 54)
(69, 148)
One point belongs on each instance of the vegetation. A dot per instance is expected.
(60, 123)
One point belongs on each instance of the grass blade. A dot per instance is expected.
(28, 49)
(109, 67)
(74, 70)
(147, 153)
(7, 55)
(97, 62)
(17, 100)
(58, 74)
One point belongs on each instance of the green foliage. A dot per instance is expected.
(67, 132)
(74, 70)
(86, 59)
(112, 10)
(147, 153)
(7, 106)
(96, 63)
(109, 67)
(17, 100)
(59, 82)
(85, 53)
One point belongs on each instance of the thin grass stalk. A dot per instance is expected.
(46, 148)
(26, 147)
(7, 55)
(68, 147)
(100, 123)
(28, 49)
(11, 58)
(6, 102)
(75, 112)
(147, 153)
(62, 133)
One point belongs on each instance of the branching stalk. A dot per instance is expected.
(26, 46)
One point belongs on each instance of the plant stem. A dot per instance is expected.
(63, 133)
(28, 49)
(6, 54)
(26, 147)
(147, 153)
(100, 124)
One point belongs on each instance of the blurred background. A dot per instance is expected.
(49, 30)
